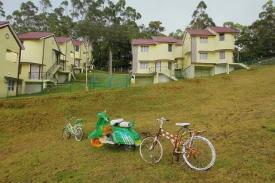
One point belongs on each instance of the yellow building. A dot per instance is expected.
(67, 58)
(208, 52)
(39, 64)
(83, 52)
(155, 60)
(10, 48)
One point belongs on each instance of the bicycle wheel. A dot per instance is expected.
(151, 150)
(200, 155)
(78, 134)
(66, 134)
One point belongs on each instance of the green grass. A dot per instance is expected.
(238, 112)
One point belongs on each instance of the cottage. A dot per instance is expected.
(39, 64)
(10, 48)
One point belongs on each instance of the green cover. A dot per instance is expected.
(120, 135)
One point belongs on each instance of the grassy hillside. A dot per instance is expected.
(238, 112)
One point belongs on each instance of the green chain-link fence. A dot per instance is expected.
(101, 80)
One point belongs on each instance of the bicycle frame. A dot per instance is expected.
(176, 140)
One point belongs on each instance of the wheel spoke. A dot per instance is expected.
(151, 150)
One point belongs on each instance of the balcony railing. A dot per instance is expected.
(38, 76)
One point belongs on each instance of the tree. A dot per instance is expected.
(178, 34)
(2, 12)
(25, 19)
(258, 40)
(200, 19)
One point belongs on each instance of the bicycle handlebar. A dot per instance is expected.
(162, 120)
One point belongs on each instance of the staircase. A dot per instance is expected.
(241, 65)
(169, 76)
(51, 72)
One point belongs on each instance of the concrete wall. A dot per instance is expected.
(62, 77)
(31, 88)
(68, 50)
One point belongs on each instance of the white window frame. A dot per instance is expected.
(143, 65)
(144, 49)
(222, 55)
(203, 56)
(203, 40)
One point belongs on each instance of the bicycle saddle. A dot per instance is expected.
(183, 124)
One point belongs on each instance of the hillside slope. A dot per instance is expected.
(238, 112)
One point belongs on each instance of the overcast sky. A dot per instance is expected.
(176, 14)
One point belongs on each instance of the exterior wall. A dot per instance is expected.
(192, 48)
(49, 54)
(157, 52)
(33, 54)
(31, 88)
(9, 63)
(62, 77)
(135, 57)
(186, 49)
(68, 50)
(152, 67)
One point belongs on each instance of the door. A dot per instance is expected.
(35, 72)
(158, 66)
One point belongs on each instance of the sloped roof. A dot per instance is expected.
(223, 30)
(162, 39)
(77, 42)
(143, 42)
(7, 24)
(2, 23)
(155, 40)
(35, 35)
(62, 39)
(199, 32)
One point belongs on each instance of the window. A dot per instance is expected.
(35, 72)
(222, 38)
(203, 40)
(170, 47)
(222, 55)
(77, 48)
(143, 65)
(203, 56)
(11, 56)
(10, 85)
(169, 65)
(144, 49)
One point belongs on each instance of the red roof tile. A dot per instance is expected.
(77, 42)
(34, 35)
(179, 42)
(143, 42)
(3, 23)
(62, 39)
(199, 32)
(162, 39)
(155, 40)
(223, 30)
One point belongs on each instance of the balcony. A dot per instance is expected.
(38, 76)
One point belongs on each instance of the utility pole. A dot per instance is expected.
(110, 62)
(86, 69)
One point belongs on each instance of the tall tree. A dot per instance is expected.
(25, 19)
(200, 19)
(2, 12)
(178, 34)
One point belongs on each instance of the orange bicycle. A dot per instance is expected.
(197, 151)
